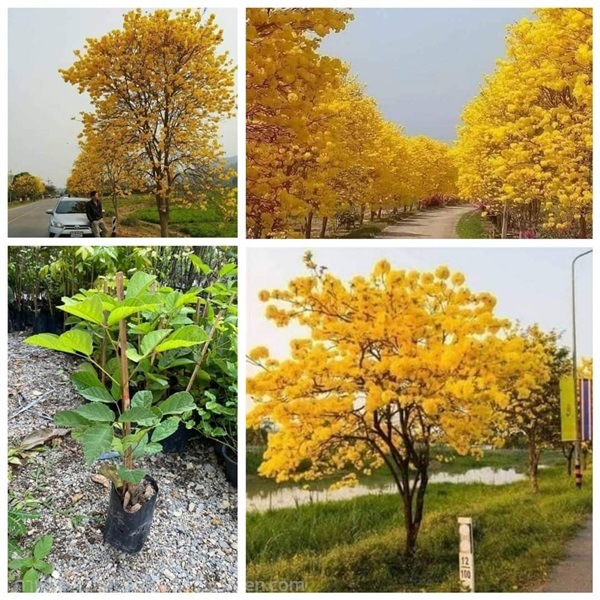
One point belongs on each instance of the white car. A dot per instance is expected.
(68, 218)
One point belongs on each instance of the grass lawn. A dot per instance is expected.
(356, 545)
(138, 215)
(471, 226)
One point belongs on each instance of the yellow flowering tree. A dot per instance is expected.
(533, 410)
(525, 145)
(161, 84)
(394, 364)
(24, 186)
(288, 85)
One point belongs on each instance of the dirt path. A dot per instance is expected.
(574, 573)
(439, 223)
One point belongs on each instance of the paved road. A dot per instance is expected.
(574, 574)
(436, 224)
(30, 220)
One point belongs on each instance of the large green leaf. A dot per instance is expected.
(219, 409)
(97, 394)
(133, 355)
(138, 284)
(88, 310)
(171, 300)
(71, 342)
(130, 475)
(96, 441)
(139, 415)
(152, 448)
(177, 404)
(199, 264)
(20, 563)
(190, 335)
(31, 580)
(42, 566)
(69, 418)
(83, 379)
(42, 547)
(49, 340)
(165, 429)
(125, 309)
(142, 399)
(188, 298)
(79, 340)
(229, 269)
(152, 339)
(96, 412)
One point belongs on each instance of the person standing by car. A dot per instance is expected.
(93, 210)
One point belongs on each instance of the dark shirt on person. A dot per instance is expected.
(93, 210)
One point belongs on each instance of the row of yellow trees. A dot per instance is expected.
(159, 87)
(525, 146)
(394, 365)
(317, 145)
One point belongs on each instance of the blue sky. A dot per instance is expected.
(42, 138)
(531, 285)
(423, 65)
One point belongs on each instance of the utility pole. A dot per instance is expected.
(578, 474)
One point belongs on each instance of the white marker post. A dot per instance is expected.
(466, 566)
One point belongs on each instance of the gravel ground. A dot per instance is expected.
(37, 375)
(192, 545)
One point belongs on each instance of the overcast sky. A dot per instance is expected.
(423, 65)
(531, 285)
(42, 138)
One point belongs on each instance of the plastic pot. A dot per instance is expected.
(126, 531)
(218, 446)
(178, 440)
(230, 460)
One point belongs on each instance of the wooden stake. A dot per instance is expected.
(128, 458)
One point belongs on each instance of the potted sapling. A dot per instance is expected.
(139, 422)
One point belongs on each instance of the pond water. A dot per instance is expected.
(286, 497)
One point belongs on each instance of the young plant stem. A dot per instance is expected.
(128, 456)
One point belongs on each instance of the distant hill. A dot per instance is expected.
(232, 161)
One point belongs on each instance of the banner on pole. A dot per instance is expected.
(568, 410)
(585, 394)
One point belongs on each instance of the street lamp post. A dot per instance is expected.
(578, 474)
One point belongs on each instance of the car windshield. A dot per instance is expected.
(70, 206)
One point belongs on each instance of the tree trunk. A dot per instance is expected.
(379, 213)
(582, 226)
(504, 221)
(324, 227)
(162, 204)
(534, 461)
(362, 216)
(568, 450)
(308, 225)
(414, 503)
(373, 213)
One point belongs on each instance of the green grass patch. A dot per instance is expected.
(193, 222)
(367, 231)
(471, 226)
(356, 545)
